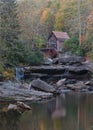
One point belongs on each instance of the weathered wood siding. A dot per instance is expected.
(59, 45)
(52, 42)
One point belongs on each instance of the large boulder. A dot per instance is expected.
(42, 86)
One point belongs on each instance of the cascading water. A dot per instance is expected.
(19, 71)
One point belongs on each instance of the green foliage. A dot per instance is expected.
(39, 42)
(15, 54)
(91, 54)
(8, 74)
(9, 22)
(19, 54)
(72, 45)
(34, 58)
(87, 45)
(80, 51)
(66, 16)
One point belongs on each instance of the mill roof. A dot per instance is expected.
(60, 35)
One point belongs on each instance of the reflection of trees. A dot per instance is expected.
(44, 115)
(71, 111)
(85, 112)
(81, 113)
(9, 120)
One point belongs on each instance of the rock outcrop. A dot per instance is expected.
(63, 67)
(69, 60)
(59, 71)
(13, 91)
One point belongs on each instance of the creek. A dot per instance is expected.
(68, 111)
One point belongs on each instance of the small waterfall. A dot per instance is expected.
(19, 71)
(66, 73)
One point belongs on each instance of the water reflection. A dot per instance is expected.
(9, 120)
(71, 111)
(85, 112)
(60, 110)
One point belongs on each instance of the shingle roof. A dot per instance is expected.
(60, 35)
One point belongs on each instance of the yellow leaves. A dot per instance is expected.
(8, 74)
(44, 15)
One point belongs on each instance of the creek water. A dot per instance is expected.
(68, 111)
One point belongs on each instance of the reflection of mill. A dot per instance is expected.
(60, 110)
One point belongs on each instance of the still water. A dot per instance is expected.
(65, 112)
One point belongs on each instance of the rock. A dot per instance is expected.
(89, 65)
(12, 107)
(46, 69)
(66, 59)
(42, 86)
(10, 92)
(58, 69)
(48, 61)
(55, 72)
(90, 83)
(70, 67)
(77, 86)
(78, 70)
(19, 106)
(23, 106)
(41, 94)
(60, 82)
(70, 81)
(24, 86)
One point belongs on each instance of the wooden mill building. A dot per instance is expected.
(56, 40)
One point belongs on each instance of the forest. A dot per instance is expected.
(25, 26)
(38, 18)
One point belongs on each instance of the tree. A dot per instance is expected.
(71, 44)
(9, 22)
(29, 18)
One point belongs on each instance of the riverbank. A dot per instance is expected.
(68, 74)
(37, 90)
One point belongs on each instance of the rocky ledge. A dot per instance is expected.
(68, 74)
(20, 92)
(38, 89)
(64, 67)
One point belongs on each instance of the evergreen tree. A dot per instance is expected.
(9, 22)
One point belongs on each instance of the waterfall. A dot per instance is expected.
(19, 71)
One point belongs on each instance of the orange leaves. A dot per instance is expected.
(44, 15)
